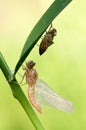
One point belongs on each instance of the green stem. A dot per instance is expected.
(18, 94)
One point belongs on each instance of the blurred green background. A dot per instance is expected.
(63, 65)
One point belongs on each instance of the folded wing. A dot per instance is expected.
(46, 96)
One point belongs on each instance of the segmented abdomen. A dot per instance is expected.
(32, 99)
(31, 77)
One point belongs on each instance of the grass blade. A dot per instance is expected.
(56, 7)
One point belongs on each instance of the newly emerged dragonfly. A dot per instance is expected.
(47, 40)
(39, 93)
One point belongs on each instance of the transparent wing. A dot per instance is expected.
(46, 96)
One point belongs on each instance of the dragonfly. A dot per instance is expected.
(40, 93)
(47, 40)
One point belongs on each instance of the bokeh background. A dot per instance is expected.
(63, 66)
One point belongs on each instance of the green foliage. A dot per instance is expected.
(40, 27)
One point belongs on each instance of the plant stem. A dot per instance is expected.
(18, 94)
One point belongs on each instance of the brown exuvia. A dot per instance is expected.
(47, 40)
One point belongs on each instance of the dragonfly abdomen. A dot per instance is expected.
(32, 98)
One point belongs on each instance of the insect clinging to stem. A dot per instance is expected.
(47, 40)
(31, 79)
(39, 93)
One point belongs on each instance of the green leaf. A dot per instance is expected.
(19, 94)
(56, 7)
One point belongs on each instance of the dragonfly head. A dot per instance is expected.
(30, 64)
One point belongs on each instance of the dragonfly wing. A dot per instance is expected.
(46, 96)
